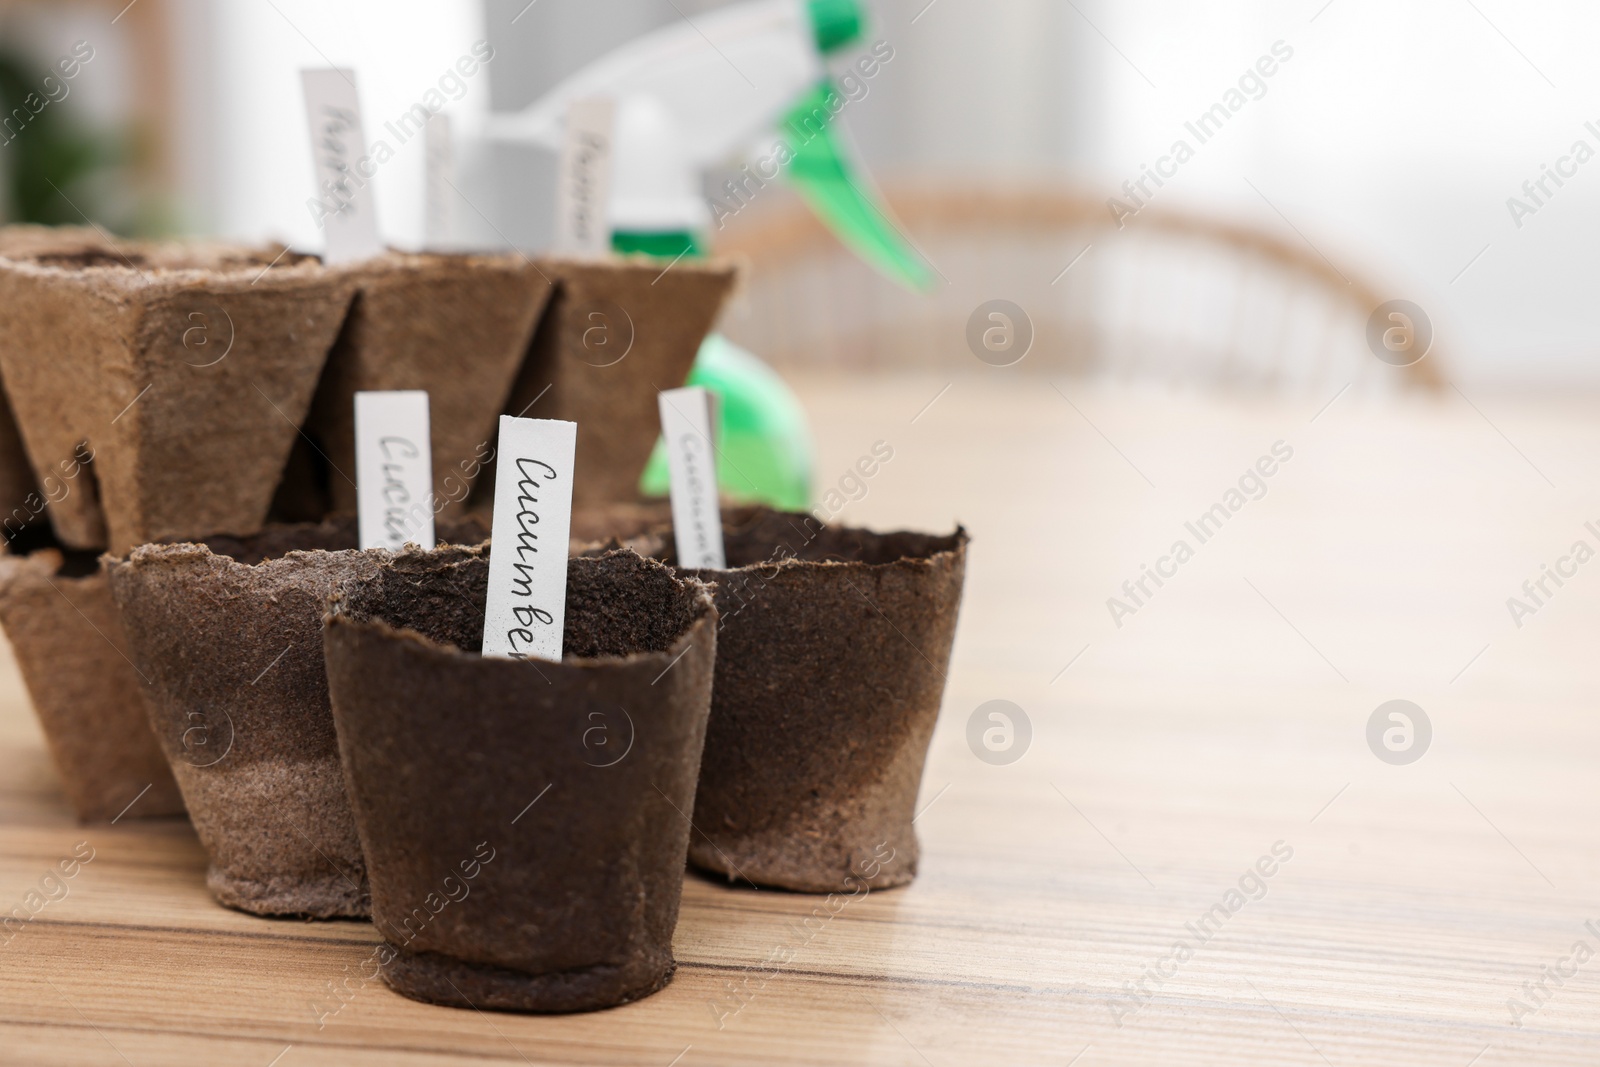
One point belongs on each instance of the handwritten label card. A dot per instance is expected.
(583, 182)
(696, 519)
(527, 602)
(394, 469)
(439, 181)
(343, 204)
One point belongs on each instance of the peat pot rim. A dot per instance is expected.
(640, 262)
(140, 266)
(935, 547)
(700, 592)
(180, 552)
(149, 267)
(188, 553)
(398, 261)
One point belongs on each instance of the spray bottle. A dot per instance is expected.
(694, 96)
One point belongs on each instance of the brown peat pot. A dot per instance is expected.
(454, 326)
(616, 332)
(183, 369)
(230, 635)
(57, 612)
(831, 659)
(525, 823)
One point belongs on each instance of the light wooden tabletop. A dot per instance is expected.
(1224, 720)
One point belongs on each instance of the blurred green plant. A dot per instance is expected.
(48, 156)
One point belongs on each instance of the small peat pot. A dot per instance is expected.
(525, 823)
(181, 370)
(615, 333)
(57, 612)
(454, 326)
(831, 664)
(230, 635)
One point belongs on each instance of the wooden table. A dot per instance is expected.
(1225, 717)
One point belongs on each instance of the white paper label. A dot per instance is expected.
(696, 519)
(343, 204)
(394, 469)
(583, 184)
(527, 603)
(439, 222)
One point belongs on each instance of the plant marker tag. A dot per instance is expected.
(343, 204)
(696, 518)
(527, 602)
(439, 177)
(583, 182)
(394, 469)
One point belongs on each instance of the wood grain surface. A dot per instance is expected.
(1223, 718)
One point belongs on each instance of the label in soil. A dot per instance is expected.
(696, 520)
(343, 204)
(527, 599)
(583, 187)
(439, 184)
(394, 469)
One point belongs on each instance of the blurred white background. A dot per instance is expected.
(1389, 142)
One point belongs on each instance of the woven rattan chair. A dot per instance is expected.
(1172, 294)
